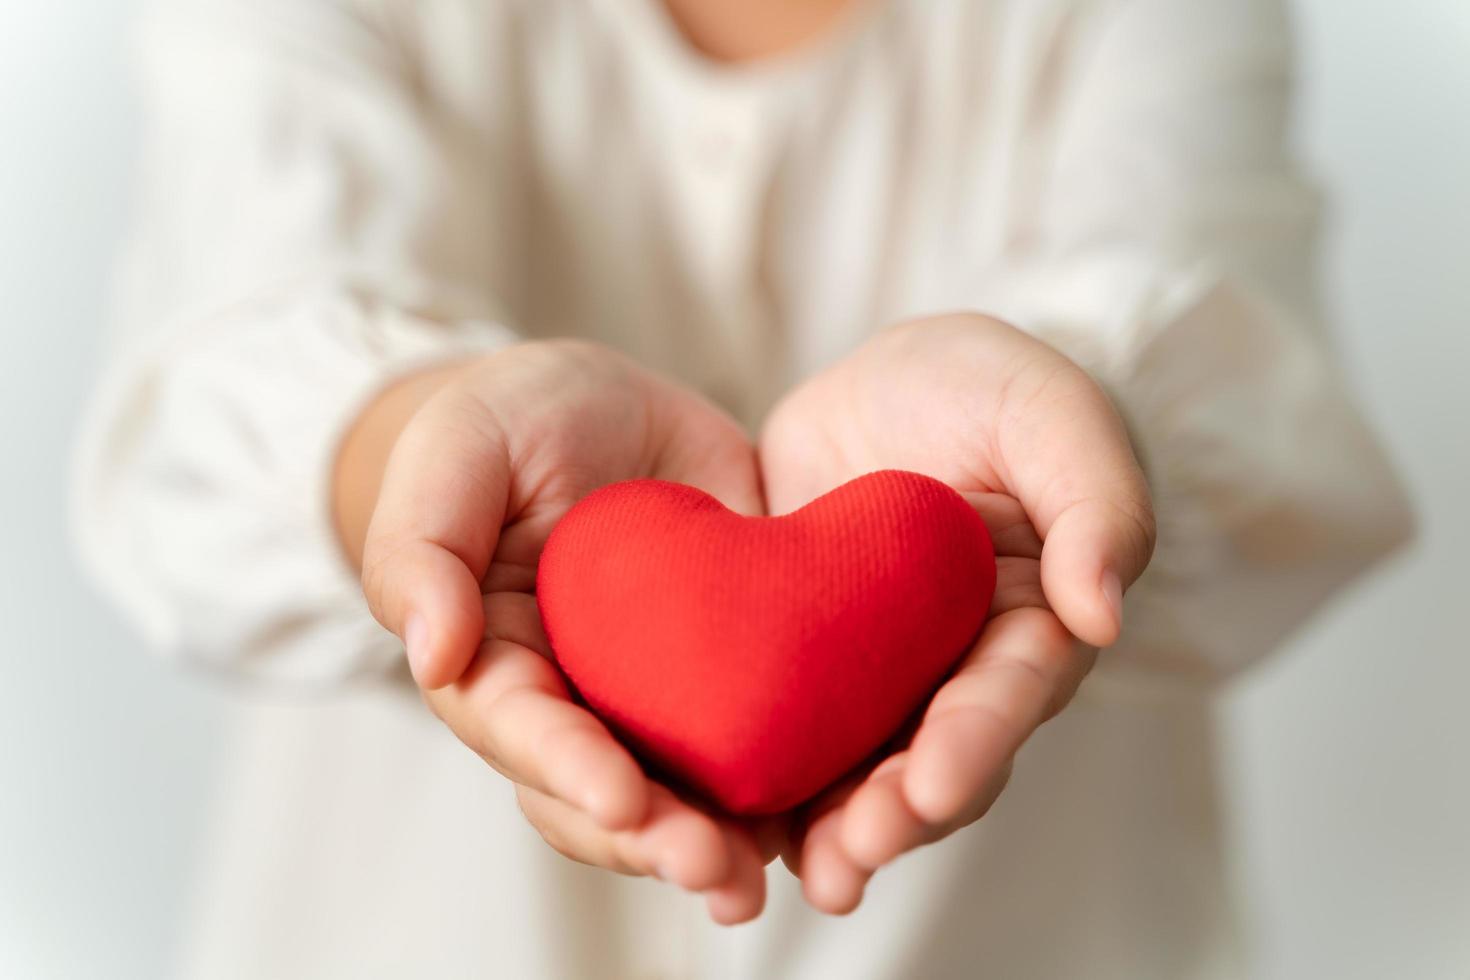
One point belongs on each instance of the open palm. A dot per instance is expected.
(474, 485)
(1036, 447)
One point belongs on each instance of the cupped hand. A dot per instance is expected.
(478, 475)
(1038, 449)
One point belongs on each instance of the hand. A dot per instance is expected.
(447, 489)
(1037, 448)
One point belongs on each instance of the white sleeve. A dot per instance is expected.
(305, 236)
(1171, 254)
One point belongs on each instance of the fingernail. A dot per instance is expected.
(416, 643)
(1112, 590)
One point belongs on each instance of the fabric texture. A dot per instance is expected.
(333, 192)
(757, 659)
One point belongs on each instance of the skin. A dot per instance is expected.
(1034, 444)
(446, 490)
(753, 29)
(450, 482)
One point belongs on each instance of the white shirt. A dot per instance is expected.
(337, 191)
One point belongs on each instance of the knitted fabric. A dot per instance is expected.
(757, 659)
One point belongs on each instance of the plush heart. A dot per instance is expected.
(757, 659)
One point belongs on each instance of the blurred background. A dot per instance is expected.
(1348, 752)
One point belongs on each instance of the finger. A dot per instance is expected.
(1094, 551)
(426, 595)
(514, 617)
(1069, 459)
(1017, 585)
(1011, 531)
(683, 844)
(433, 532)
(1024, 669)
(807, 851)
(575, 835)
(802, 819)
(677, 843)
(505, 576)
(511, 708)
(831, 881)
(879, 826)
(771, 835)
(518, 550)
(743, 895)
(877, 822)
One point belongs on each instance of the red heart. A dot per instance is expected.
(757, 659)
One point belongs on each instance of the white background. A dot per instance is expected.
(1351, 783)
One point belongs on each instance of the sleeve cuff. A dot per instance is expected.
(1269, 491)
(203, 501)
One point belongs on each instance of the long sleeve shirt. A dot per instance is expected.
(335, 192)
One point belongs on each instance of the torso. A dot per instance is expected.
(740, 225)
(645, 175)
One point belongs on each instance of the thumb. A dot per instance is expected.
(1072, 464)
(428, 596)
(1094, 550)
(432, 536)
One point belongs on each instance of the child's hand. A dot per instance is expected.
(1036, 446)
(477, 462)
